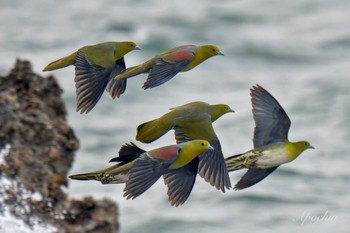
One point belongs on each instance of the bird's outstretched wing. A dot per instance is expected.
(167, 67)
(90, 82)
(143, 174)
(253, 176)
(180, 182)
(212, 167)
(271, 121)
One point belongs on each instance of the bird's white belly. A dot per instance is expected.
(272, 158)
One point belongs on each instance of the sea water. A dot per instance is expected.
(298, 50)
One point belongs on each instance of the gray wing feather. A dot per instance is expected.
(180, 135)
(212, 166)
(116, 88)
(143, 174)
(271, 121)
(90, 82)
(163, 71)
(127, 153)
(253, 176)
(180, 182)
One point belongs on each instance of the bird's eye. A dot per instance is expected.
(306, 143)
(202, 144)
(225, 107)
(214, 50)
(178, 151)
(132, 45)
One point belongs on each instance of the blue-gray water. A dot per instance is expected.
(298, 50)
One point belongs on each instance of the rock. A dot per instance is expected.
(36, 151)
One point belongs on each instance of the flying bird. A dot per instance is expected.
(166, 65)
(140, 169)
(272, 147)
(95, 69)
(193, 121)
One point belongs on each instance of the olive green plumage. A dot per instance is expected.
(193, 121)
(95, 69)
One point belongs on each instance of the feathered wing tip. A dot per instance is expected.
(116, 88)
(90, 83)
(162, 72)
(213, 169)
(142, 176)
(127, 153)
(253, 176)
(180, 182)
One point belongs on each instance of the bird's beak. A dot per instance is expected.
(210, 147)
(231, 110)
(311, 147)
(220, 53)
(137, 47)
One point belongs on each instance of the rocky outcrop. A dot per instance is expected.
(36, 151)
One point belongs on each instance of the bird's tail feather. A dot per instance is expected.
(112, 175)
(235, 162)
(60, 63)
(132, 71)
(86, 176)
(152, 130)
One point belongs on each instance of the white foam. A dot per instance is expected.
(10, 223)
(4, 152)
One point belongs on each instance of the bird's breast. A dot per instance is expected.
(165, 153)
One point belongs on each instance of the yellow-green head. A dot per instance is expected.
(217, 110)
(202, 53)
(296, 148)
(209, 50)
(189, 151)
(124, 47)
